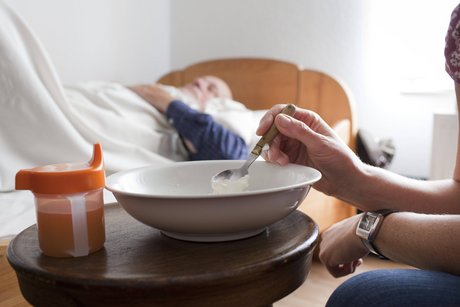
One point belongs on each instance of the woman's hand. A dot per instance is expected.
(340, 249)
(154, 95)
(306, 139)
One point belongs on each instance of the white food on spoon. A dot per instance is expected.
(224, 186)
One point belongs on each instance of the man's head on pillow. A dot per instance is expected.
(207, 87)
(196, 93)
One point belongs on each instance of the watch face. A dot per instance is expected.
(367, 221)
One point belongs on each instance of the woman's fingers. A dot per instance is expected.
(344, 269)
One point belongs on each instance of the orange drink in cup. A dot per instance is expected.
(69, 205)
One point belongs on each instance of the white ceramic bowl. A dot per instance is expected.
(177, 198)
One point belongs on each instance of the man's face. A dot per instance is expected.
(204, 88)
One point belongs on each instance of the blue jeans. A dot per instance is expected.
(398, 287)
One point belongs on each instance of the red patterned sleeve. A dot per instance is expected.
(452, 49)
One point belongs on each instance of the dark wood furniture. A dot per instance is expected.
(140, 266)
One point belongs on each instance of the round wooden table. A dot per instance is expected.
(141, 266)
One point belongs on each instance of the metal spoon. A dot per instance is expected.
(237, 173)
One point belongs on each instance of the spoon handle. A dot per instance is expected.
(272, 132)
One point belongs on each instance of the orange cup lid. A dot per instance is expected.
(65, 178)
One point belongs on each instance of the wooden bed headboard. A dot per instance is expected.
(261, 83)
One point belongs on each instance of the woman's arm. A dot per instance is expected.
(375, 188)
(306, 139)
(421, 240)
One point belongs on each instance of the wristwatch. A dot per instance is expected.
(368, 227)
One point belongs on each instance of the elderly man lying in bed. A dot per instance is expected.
(44, 121)
(203, 136)
(208, 123)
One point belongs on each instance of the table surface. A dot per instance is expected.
(139, 265)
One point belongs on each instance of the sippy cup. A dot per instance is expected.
(69, 205)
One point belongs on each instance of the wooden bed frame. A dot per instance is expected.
(261, 83)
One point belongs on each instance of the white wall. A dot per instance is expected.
(120, 40)
(363, 42)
